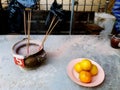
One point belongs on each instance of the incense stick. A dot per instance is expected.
(49, 31)
(27, 28)
(29, 21)
(53, 19)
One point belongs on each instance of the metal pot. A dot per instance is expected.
(115, 41)
(35, 58)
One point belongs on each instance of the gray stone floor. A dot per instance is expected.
(61, 49)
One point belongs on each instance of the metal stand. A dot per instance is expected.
(72, 17)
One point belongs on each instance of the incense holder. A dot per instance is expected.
(28, 55)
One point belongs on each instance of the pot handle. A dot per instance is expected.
(24, 39)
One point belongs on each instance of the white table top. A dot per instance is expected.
(61, 50)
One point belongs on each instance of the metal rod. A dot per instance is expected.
(72, 17)
(92, 5)
(25, 23)
(77, 5)
(99, 6)
(47, 5)
(69, 4)
(62, 3)
(106, 6)
(38, 3)
(84, 5)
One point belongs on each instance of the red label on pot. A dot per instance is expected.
(19, 62)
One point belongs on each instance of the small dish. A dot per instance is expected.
(74, 76)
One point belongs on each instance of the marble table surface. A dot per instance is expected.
(61, 50)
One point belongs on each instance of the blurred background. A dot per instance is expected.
(80, 17)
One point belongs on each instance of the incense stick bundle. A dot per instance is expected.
(29, 21)
(49, 30)
(27, 28)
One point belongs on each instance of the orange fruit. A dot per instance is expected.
(77, 67)
(94, 70)
(85, 76)
(86, 64)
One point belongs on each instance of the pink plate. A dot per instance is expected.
(96, 80)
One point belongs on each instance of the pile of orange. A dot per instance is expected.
(86, 70)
